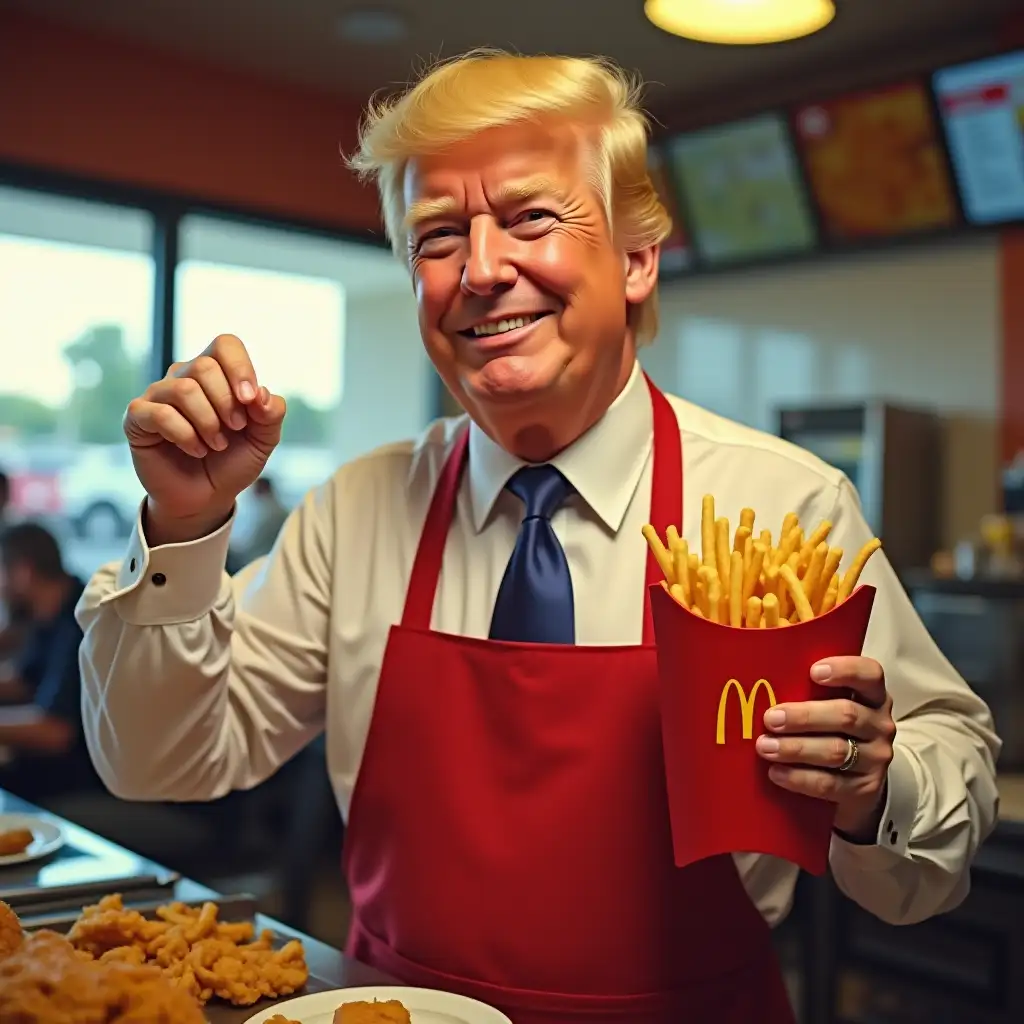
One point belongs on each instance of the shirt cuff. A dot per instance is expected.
(172, 583)
(898, 816)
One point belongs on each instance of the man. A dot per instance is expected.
(479, 595)
(42, 735)
(10, 628)
(258, 521)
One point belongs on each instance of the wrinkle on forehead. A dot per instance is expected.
(511, 155)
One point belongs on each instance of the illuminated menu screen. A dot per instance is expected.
(743, 192)
(675, 250)
(982, 107)
(875, 163)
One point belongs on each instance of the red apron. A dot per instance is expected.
(509, 834)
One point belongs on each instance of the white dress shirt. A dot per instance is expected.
(195, 683)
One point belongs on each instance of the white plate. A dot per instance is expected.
(425, 1006)
(48, 837)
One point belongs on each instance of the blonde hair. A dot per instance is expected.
(484, 89)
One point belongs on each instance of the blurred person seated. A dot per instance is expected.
(12, 628)
(5, 499)
(41, 737)
(258, 521)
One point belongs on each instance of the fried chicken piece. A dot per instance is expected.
(11, 935)
(281, 1019)
(107, 925)
(388, 1011)
(45, 982)
(15, 841)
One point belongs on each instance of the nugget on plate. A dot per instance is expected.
(388, 1011)
(15, 841)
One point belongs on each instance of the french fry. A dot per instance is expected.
(815, 568)
(820, 533)
(829, 600)
(736, 590)
(831, 567)
(664, 559)
(702, 598)
(789, 544)
(742, 536)
(722, 552)
(789, 520)
(849, 581)
(745, 582)
(796, 593)
(707, 531)
(714, 592)
(681, 569)
(752, 573)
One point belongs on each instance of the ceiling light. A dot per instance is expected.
(740, 22)
(372, 26)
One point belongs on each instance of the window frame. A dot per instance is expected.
(168, 210)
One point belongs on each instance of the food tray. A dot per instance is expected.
(27, 899)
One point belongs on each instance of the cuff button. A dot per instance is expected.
(159, 579)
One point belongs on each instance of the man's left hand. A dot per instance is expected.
(808, 742)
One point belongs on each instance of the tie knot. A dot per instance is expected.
(542, 489)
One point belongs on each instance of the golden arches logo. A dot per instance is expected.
(746, 706)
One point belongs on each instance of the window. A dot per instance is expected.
(76, 315)
(330, 325)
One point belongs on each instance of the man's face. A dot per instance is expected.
(522, 292)
(15, 587)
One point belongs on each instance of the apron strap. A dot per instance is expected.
(426, 569)
(666, 489)
(666, 510)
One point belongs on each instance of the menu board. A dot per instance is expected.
(675, 250)
(982, 106)
(743, 191)
(875, 163)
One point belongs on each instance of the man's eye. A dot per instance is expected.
(425, 243)
(532, 216)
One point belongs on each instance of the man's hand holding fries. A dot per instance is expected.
(754, 581)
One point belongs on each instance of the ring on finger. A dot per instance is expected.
(852, 755)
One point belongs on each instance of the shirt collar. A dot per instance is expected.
(603, 466)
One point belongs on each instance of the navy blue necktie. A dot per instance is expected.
(535, 598)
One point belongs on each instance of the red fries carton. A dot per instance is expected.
(716, 684)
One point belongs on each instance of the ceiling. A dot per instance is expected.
(297, 39)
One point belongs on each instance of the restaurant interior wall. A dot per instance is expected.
(259, 145)
(920, 327)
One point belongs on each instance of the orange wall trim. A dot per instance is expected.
(97, 107)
